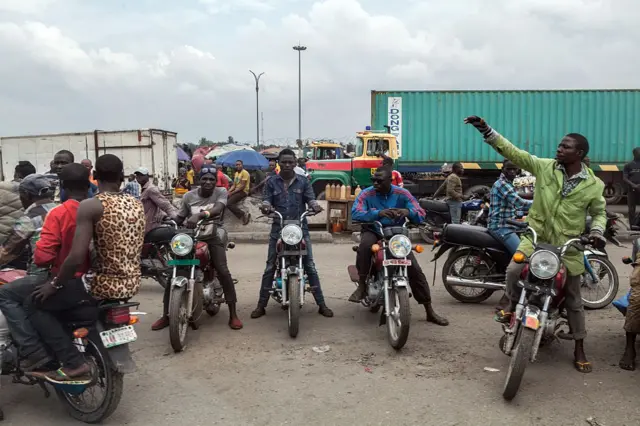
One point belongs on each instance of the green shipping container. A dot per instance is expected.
(429, 124)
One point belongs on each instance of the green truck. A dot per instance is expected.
(424, 130)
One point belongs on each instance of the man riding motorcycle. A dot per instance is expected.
(116, 223)
(506, 205)
(389, 205)
(207, 201)
(13, 294)
(565, 189)
(289, 194)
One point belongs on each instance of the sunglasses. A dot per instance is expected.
(208, 170)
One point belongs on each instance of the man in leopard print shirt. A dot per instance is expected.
(115, 222)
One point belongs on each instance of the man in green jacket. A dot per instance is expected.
(566, 191)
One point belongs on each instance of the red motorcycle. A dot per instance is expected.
(105, 345)
(537, 317)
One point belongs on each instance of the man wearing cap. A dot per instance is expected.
(156, 205)
(35, 195)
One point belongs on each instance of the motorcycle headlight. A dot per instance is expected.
(181, 244)
(291, 234)
(544, 264)
(400, 246)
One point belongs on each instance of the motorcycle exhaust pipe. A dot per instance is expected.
(474, 283)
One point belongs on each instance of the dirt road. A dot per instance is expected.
(260, 376)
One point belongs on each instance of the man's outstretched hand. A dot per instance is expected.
(479, 124)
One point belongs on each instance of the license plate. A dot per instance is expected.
(183, 262)
(396, 262)
(531, 322)
(118, 336)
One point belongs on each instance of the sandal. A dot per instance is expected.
(503, 317)
(235, 324)
(583, 366)
(60, 377)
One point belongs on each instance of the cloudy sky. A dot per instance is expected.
(77, 65)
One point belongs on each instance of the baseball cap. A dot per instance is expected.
(142, 171)
(37, 184)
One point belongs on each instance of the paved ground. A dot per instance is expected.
(259, 376)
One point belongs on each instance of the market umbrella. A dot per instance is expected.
(183, 156)
(225, 149)
(251, 160)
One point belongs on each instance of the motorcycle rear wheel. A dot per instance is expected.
(108, 378)
(612, 291)
(399, 307)
(293, 314)
(447, 270)
(520, 356)
(426, 234)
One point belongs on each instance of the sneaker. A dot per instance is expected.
(325, 311)
(258, 312)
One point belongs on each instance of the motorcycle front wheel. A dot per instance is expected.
(520, 356)
(399, 318)
(293, 288)
(86, 407)
(178, 318)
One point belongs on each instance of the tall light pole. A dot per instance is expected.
(300, 49)
(257, 79)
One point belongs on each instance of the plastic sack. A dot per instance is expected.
(622, 303)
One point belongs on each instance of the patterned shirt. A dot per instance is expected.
(570, 183)
(132, 188)
(505, 204)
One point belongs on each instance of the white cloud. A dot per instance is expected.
(26, 6)
(193, 72)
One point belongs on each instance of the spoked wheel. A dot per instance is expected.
(426, 233)
(520, 356)
(100, 398)
(600, 293)
(399, 318)
(470, 264)
(178, 318)
(293, 287)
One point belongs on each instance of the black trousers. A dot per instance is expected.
(47, 319)
(633, 197)
(417, 279)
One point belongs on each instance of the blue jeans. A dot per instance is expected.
(508, 237)
(455, 209)
(307, 262)
(12, 297)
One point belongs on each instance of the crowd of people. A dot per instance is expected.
(78, 231)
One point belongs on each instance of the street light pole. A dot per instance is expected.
(300, 49)
(257, 79)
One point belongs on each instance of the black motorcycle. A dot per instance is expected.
(437, 215)
(477, 264)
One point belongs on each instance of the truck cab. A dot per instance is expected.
(324, 151)
(369, 147)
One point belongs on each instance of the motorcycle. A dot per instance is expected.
(537, 319)
(388, 282)
(290, 281)
(477, 264)
(105, 345)
(438, 215)
(194, 285)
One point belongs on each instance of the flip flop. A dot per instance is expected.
(235, 324)
(59, 377)
(583, 367)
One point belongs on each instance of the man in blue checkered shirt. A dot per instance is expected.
(506, 204)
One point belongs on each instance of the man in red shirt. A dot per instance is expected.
(396, 177)
(223, 180)
(51, 249)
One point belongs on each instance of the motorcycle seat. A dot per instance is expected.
(434, 206)
(471, 236)
(162, 234)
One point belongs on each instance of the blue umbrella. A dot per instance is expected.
(183, 156)
(250, 159)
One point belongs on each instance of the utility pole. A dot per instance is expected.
(262, 117)
(257, 79)
(300, 49)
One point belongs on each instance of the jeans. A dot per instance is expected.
(417, 280)
(307, 263)
(12, 296)
(455, 210)
(507, 237)
(218, 254)
(232, 204)
(573, 299)
(47, 316)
